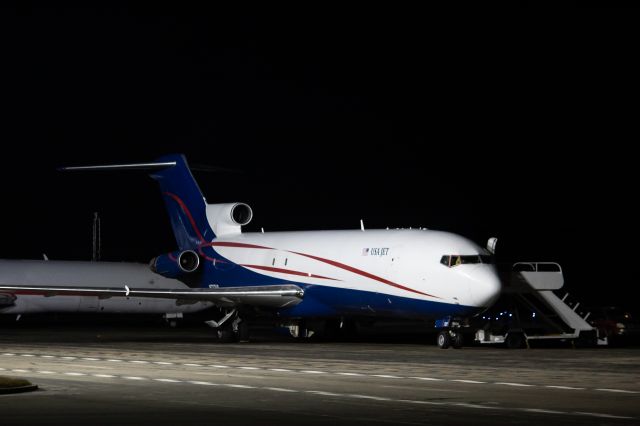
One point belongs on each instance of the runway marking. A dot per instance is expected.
(410, 401)
(606, 416)
(285, 370)
(564, 387)
(540, 410)
(513, 384)
(323, 393)
(352, 396)
(376, 398)
(616, 390)
(482, 407)
(2, 369)
(281, 390)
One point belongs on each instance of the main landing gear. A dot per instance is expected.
(450, 334)
(231, 328)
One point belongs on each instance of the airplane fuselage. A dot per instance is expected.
(372, 273)
(85, 274)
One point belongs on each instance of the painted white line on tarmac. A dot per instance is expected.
(280, 390)
(615, 390)
(564, 387)
(513, 384)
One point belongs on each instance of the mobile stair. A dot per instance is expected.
(530, 310)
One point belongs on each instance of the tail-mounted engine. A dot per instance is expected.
(175, 264)
(226, 219)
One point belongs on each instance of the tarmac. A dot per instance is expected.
(151, 374)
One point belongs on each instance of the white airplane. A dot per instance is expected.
(304, 278)
(97, 275)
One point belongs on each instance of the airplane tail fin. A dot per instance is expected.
(182, 197)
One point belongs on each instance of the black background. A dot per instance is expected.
(509, 124)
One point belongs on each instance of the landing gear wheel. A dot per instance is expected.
(444, 340)
(226, 335)
(243, 331)
(457, 340)
(515, 340)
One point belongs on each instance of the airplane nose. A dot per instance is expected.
(485, 287)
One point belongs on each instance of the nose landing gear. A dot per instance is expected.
(450, 334)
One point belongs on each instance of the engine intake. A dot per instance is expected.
(174, 264)
(226, 219)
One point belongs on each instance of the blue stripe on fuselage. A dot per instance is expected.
(325, 301)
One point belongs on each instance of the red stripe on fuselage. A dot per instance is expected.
(363, 273)
(288, 271)
(320, 259)
(232, 244)
(186, 211)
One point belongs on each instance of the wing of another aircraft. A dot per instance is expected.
(264, 296)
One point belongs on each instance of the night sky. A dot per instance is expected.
(510, 125)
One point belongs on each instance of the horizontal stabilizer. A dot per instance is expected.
(132, 166)
(265, 296)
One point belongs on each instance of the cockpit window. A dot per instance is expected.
(455, 260)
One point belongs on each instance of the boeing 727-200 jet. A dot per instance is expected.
(307, 277)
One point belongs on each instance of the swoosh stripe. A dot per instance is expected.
(288, 271)
(186, 211)
(363, 273)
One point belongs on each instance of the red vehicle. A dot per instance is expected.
(618, 325)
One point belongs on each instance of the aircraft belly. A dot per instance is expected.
(328, 301)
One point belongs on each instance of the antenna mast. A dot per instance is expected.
(97, 243)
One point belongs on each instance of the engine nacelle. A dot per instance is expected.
(227, 218)
(174, 264)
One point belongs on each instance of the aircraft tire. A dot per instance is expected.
(444, 340)
(226, 335)
(457, 341)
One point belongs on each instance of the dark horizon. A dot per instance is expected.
(477, 127)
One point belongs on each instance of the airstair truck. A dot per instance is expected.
(530, 310)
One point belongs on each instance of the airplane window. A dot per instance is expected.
(455, 260)
(486, 258)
